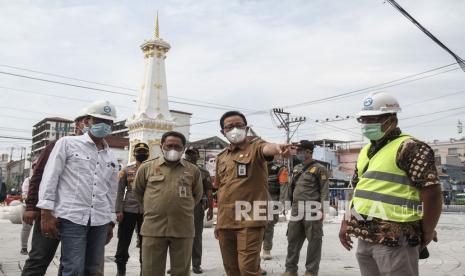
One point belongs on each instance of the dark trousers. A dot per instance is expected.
(42, 252)
(125, 230)
(199, 214)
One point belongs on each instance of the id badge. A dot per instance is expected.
(182, 191)
(241, 170)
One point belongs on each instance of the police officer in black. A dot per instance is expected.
(129, 212)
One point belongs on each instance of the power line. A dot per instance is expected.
(432, 113)
(105, 84)
(65, 77)
(385, 85)
(358, 91)
(428, 33)
(262, 111)
(67, 84)
(212, 105)
(15, 138)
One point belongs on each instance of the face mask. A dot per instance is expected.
(172, 155)
(141, 157)
(236, 136)
(85, 129)
(100, 130)
(372, 131)
(301, 156)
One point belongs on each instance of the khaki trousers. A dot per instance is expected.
(154, 251)
(381, 260)
(297, 233)
(240, 249)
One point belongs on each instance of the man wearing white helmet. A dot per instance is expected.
(78, 191)
(397, 199)
(43, 248)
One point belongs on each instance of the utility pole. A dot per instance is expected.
(290, 125)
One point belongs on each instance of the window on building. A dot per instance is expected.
(452, 151)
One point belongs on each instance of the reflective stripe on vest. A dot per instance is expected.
(384, 190)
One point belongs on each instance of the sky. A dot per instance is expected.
(247, 55)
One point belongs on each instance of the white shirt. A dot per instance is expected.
(80, 182)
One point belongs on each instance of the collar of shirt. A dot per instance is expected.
(87, 139)
(377, 145)
(242, 146)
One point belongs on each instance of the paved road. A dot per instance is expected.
(447, 256)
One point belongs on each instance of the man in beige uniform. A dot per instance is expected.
(169, 188)
(241, 173)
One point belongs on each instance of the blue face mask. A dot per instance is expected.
(372, 131)
(85, 129)
(100, 130)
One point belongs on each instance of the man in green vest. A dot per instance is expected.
(397, 199)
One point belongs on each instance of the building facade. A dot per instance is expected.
(47, 130)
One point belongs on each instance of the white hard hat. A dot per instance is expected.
(378, 104)
(102, 109)
(80, 114)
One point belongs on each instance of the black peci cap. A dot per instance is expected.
(305, 144)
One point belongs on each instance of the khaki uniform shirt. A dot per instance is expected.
(312, 184)
(242, 175)
(125, 200)
(169, 195)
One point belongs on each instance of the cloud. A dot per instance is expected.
(250, 54)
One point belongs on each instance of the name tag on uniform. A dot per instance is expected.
(182, 191)
(241, 170)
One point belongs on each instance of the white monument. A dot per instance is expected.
(152, 116)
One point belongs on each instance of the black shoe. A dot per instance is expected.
(262, 272)
(197, 270)
(168, 271)
(23, 251)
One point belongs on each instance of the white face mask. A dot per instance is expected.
(172, 155)
(236, 136)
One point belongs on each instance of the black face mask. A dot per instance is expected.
(141, 157)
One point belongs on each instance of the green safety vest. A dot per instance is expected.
(384, 190)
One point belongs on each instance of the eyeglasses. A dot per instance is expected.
(372, 119)
(238, 126)
(173, 146)
(100, 120)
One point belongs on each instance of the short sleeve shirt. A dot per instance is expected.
(241, 173)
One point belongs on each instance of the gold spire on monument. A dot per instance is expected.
(157, 29)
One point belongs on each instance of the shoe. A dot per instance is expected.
(308, 273)
(267, 255)
(23, 251)
(262, 272)
(197, 270)
(288, 273)
(168, 271)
